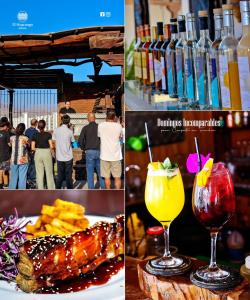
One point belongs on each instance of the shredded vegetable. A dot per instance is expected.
(11, 238)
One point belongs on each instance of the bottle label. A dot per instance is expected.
(214, 84)
(139, 64)
(170, 75)
(151, 67)
(224, 82)
(190, 78)
(157, 69)
(144, 66)
(200, 79)
(179, 70)
(135, 63)
(244, 72)
(163, 74)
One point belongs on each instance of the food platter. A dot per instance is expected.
(112, 290)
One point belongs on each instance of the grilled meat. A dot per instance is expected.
(47, 260)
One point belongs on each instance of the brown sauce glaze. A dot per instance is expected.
(99, 277)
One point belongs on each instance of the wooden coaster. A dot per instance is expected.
(163, 271)
(180, 287)
(228, 283)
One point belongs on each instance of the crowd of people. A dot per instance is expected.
(28, 156)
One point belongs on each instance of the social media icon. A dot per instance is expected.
(108, 14)
(102, 13)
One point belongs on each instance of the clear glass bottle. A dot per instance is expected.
(151, 56)
(136, 53)
(214, 59)
(145, 60)
(140, 69)
(228, 63)
(189, 59)
(171, 53)
(167, 39)
(181, 84)
(157, 57)
(202, 62)
(243, 51)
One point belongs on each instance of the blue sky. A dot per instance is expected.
(59, 15)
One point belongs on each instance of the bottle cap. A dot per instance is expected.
(155, 230)
(181, 23)
(147, 30)
(154, 32)
(173, 20)
(227, 7)
(167, 32)
(217, 11)
(247, 262)
(244, 6)
(160, 28)
(203, 13)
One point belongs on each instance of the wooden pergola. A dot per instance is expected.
(25, 59)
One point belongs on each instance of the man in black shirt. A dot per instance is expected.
(4, 153)
(31, 175)
(90, 143)
(67, 109)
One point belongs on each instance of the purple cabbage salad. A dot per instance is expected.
(11, 238)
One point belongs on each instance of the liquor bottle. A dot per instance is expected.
(167, 39)
(202, 62)
(189, 59)
(243, 51)
(145, 58)
(214, 59)
(171, 66)
(136, 53)
(157, 57)
(228, 64)
(151, 57)
(140, 54)
(181, 84)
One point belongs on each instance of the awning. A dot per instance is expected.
(43, 50)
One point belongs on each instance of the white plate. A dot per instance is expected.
(112, 290)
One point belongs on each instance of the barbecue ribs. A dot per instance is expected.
(47, 260)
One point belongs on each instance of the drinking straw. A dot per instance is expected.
(198, 152)
(149, 149)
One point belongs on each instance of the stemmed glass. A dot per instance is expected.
(164, 198)
(213, 204)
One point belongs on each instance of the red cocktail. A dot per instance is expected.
(213, 205)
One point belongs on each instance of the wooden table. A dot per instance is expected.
(29, 203)
(159, 288)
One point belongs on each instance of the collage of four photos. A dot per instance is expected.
(119, 118)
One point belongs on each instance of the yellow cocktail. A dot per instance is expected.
(164, 198)
(164, 195)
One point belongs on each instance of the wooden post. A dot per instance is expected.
(11, 102)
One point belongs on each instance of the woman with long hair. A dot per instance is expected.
(42, 146)
(19, 159)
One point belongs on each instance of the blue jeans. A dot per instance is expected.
(92, 163)
(18, 176)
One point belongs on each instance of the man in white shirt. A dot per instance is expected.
(63, 138)
(110, 133)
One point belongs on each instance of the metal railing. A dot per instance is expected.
(31, 103)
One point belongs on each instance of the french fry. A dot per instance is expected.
(61, 224)
(46, 219)
(68, 215)
(40, 233)
(49, 210)
(61, 218)
(69, 206)
(83, 223)
(55, 230)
